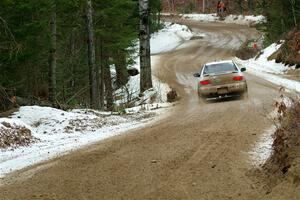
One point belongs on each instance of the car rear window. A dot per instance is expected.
(220, 68)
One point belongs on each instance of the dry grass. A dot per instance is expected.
(287, 136)
(285, 160)
(289, 52)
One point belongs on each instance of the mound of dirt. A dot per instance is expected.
(289, 53)
(13, 135)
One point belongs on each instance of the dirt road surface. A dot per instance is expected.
(197, 152)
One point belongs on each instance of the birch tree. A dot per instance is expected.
(91, 57)
(144, 36)
(52, 55)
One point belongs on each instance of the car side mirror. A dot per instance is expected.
(197, 75)
(243, 69)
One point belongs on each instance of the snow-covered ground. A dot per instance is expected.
(262, 150)
(58, 132)
(269, 69)
(231, 19)
(169, 38)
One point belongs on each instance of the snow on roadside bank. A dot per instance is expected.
(262, 150)
(230, 19)
(270, 70)
(169, 37)
(59, 132)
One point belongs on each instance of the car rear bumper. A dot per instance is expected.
(220, 90)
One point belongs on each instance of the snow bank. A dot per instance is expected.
(201, 17)
(169, 38)
(59, 132)
(245, 20)
(270, 70)
(262, 150)
(233, 19)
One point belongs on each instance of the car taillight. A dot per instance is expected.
(238, 78)
(205, 82)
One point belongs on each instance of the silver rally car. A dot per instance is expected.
(220, 80)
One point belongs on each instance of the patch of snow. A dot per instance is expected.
(263, 148)
(201, 17)
(160, 89)
(270, 70)
(233, 19)
(60, 132)
(245, 19)
(171, 36)
(147, 107)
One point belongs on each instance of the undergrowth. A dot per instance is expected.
(285, 159)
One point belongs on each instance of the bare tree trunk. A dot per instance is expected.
(264, 7)
(240, 2)
(101, 81)
(52, 56)
(170, 6)
(173, 5)
(293, 3)
(145, 58)
(121, 68)
(108, 86)
(94, 100)
(250, 6)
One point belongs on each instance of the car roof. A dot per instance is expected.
(219, 62)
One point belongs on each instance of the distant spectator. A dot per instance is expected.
(222, 7)
(218, 6)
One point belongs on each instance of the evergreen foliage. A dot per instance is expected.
(25, 40)
(281, 17)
